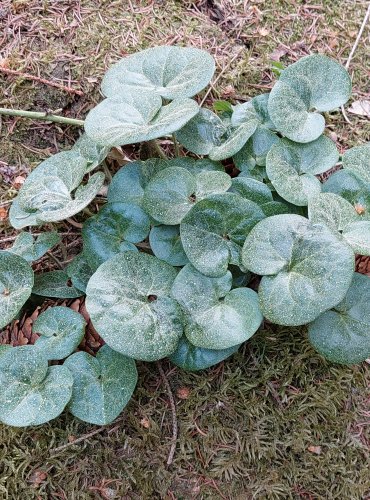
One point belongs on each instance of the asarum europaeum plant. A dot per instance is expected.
(167, 260)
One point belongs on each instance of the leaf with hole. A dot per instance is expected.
(33, 392)
(342, 335)
(102, 385)
(56, 284)
(128, 299)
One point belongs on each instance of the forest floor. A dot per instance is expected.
(275, 421)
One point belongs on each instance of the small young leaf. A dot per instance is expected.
(222, 106)
(306, 269)
(114, 229)
(16, 282)
(166, 244)
(61, 331)
(31, 248)
(171, 72)
(33, 393)
(191, 358)
(93, 153)
(214, 230)
(128, 299)
(102, 386)
(55, 284)
(342, 335)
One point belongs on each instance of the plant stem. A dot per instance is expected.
(36, 115)
(107, 172)
(153, 144)
(176, 145)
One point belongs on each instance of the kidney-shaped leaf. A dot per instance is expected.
(191, 358)
(166, 244)
(214, 230)
(55, 284)
(137, 117)
(212, 323)
(32, 393)
(16, 282)
(357, 161)
(350, 187)
(171, 72)
(129, 304)
(61, 330)
(292, 167)
(357, 235)
(102, 386)
(114, 229)
(171, 193)
(53, 191)
(31, 248)
(332, 210)
(315, 82)
(306, 269)
(342, 335)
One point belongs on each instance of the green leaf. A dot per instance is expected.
(214, 230)
(292, 167)
(114, 229)
(306, 269)
(342, 335)
(137, 117)
(202, 132)
(93, 153)
(191, 358)
(347, 185)
(16, 282)
(357, 235)
(20, 218)
(102, 386)
(61, 330)
(31, 248)
(212, 323)
(170, 195)
(129, 304)
(170, 72)
(222, 106)
(234, 140)
(55, 284)
(32, 393)
(314, 83)
(53, 191)
(166, 244)
(331, 210)
(79, 272)
(252, 190)
(357, 161)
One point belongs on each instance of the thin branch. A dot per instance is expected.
(226, 67)
(35, 115)
(156, 148)
(173, 410)
(176, 146)
(84, 437)
(34, 78)
(56, 260)
(353, 50)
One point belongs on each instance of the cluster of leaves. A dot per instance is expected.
(167, 260)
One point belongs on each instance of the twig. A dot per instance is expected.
(56, 260)
(84, 437)
(156, 149)
(173, 410)
(74, 223)
(36, 115)
(351, 54)
(176, 146)
(227, 66)
(27, 76)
